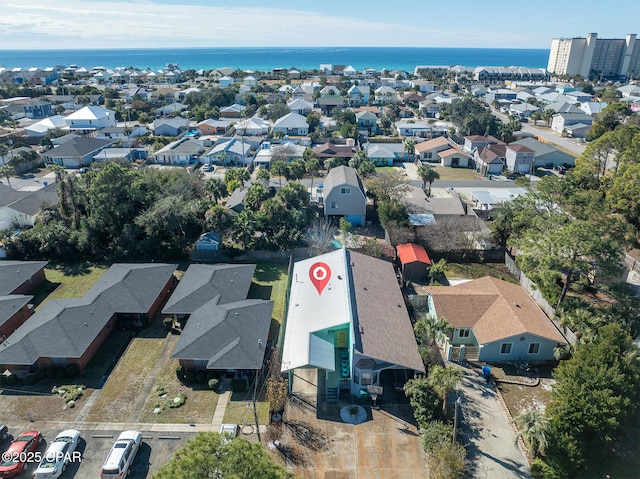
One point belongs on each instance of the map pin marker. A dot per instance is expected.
(320, 273)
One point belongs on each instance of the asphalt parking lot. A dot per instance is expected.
(157, 448)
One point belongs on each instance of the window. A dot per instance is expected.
(59, 361)
(356, 377)
(534, 348)
(463, 333)
(345, 191)
(334, 204)
(366, 379)
(505, 348)
(428, 155)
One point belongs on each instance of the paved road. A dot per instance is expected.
(490, 441)
(572, 145)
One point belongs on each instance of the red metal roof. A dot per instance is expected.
(408, 253)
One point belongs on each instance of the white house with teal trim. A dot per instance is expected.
(493, 321)
(346, 317)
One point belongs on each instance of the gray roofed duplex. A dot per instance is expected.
(227, 336)
(204, 282)
(67, 328)
(224, 330)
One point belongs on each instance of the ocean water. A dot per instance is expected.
(266, 59)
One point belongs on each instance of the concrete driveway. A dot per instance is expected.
(485, 431)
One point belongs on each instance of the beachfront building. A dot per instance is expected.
(594, 57)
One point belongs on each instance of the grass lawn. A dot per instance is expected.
(118, 396)
(380, 169)
(240, 409)
(71, 281)
(448, 173)
(270, 282)
(479, 270)
(198, 408)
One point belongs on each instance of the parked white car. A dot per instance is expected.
(58, 455)
(122, 454)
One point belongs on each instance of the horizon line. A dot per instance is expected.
(265, 47)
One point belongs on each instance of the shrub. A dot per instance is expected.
(12, 380)
(41, 373)
(30, 379)
(70, 392)
(177, 401)
(51, 373)
(168, 322)
(435, 433)
(71, 404)
(180, 372)
(190, 376)
(201, 377)
(214, 384)
(212, 375)
(238, 385)
(3, 380)
(60, 374)
(542, 470)
(71, 370)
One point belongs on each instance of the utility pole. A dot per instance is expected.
(255, 392)
(455, 419)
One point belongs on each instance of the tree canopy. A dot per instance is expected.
(209, 456)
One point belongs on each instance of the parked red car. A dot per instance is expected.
(21, 451)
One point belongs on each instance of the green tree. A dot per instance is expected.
(410, 148)
(388, 185)
(7, 171)
(596, 392)
(279, 169)
(296, 169)
(210, 456)
(255, 196)
(311, 165)
(263, 174)
(430, 330)
(443, 381)
(428, 175)
(215, 189)
(423, 400)
(532, 427)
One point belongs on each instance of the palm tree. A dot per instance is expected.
(431, 330)
(547, 115)
(216, 188)
(428, 175)
(443, 381)
(532, 427)
(279, 168)
(312, 165)
(410, 148)
(7, 171)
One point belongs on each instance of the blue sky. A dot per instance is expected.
(55, 24)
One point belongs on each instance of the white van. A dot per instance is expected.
(122, 455)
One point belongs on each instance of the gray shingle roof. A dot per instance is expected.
(28, 202)
(227, 336)
(14, 273)
(382, 317)
(77, 147)
(10, 305)
(67, 327)
(342, 175)
(204, 282)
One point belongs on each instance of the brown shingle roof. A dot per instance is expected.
(493, 308)
(386, 332)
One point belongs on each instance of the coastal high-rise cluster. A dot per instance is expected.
(593, 57)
